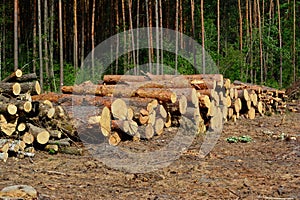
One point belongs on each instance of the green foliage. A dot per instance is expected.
(232, 139)
(242, 139)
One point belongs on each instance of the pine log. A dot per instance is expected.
(9, 108)
(159, 125)
(71, 150)
(146, 131)
(8, 129)
(114, 79)
(28, 138)
(4, 156)
(61, 142)
(251, 113)
(168, 121)
(41, 135)
(152, 117)
(119, 109)
(21, 127)
(243, 94)
(16, 74)
(182, 104)
(24, 78)
(4, 145)
(143, 116)
(114, 139)
(31, 87)
(189, 93)
(163, 95)
(13, 89)
(51, 148)
(105, 122)
(161, 111)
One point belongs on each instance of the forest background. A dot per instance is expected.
(253, 41)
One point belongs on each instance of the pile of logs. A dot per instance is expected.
(140, 107)
(27, 125)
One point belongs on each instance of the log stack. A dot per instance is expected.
(141, 107)
(27, 125)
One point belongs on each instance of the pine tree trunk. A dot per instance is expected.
(251, 40)
(53, 82)
(137, 36)
(161, 37)
(118, 37)
(40, 43)
(176, 40)
(280, 42)
(294, 42)
(75, 50)
(241, 34)
(260, 44)
(16, 35)
(125, 36)
(82, 35)
(46, 61)
(132, 36)
(93, 38)
(149, 40)
(193, 29)
(34, 37)
(61, 46)
(157, 37)
(218, 30)
(203, 37)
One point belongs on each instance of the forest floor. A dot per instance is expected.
(268, 167)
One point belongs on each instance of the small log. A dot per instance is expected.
(24, 78)
(146, 131)
(16, 74)
(71, 150)
(28, 138)
(8, 129)
(159, 126)
(56, 133)
(61, 142)
(168, 121)
(51, 148)
(251, 113)
(105, 122)
(161, 111)
(21, 127)
(4, 145)
(152, 117)
(182, 104)
(143, 116)
(114, 139)
(4, 156)
(119, 109)
(41, 135)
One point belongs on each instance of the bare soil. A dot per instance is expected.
(266, 168)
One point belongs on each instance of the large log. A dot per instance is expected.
(163, 95)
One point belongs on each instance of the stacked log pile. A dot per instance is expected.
(26, 125)
(140, 107)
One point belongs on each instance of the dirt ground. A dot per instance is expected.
(266, 168)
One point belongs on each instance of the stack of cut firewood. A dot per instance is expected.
(26, 125)
(140, 107)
